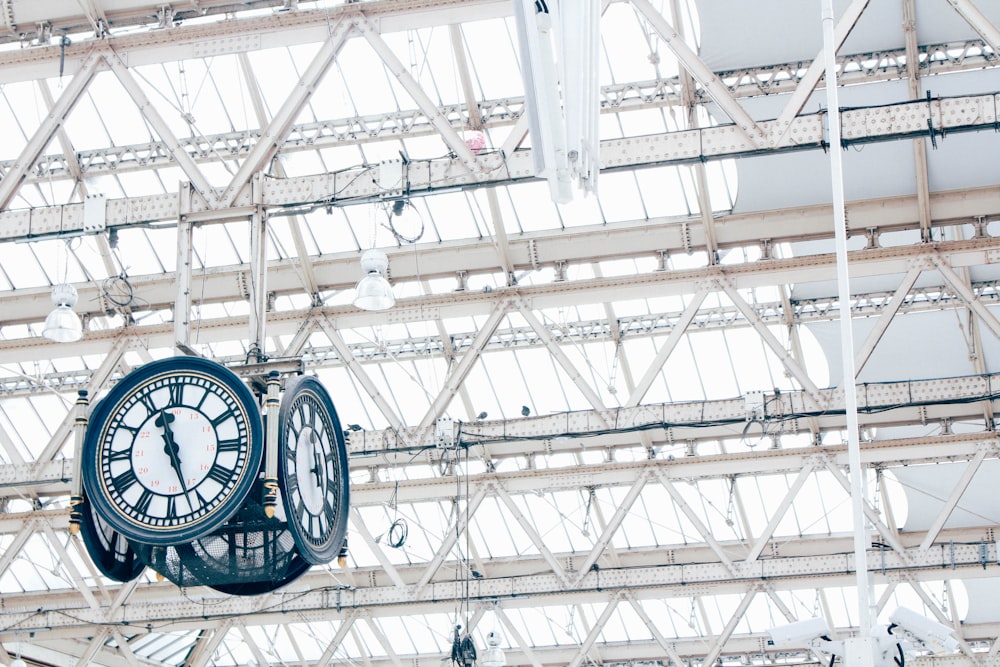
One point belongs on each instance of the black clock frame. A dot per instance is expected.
(106, 410)
(301, 389)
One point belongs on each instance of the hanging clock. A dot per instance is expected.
(109, 550)
(172, 451)
(312, 469)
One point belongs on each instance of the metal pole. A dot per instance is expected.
(846, 331)
(76, 499)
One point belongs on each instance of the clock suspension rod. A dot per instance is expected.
(76, 490)
(271, 444)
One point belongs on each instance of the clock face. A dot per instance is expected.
(313, 470)
(109, 550)
(173, 450)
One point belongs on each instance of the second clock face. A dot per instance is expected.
(173, 450)
(313, 470)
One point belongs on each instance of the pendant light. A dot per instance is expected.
(63, 325)
(373, 291)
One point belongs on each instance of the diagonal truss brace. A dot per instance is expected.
(278, 128)
(702, 73)
(362, 376)
(680, 328)
(464, 366)
(566, 363)
(533, 535)
(426, 104)
(57, 116)
(787, 360)
(461, 525)
(149, 112)
(612, 527)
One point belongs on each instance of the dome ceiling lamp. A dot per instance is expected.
(374, 291)
(63, 325)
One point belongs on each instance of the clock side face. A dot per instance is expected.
(313, 471)
(108, 549)
(174, 452)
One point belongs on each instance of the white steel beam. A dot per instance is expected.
(359, 527)
(754, 134)
(961, 288)
(277, 129)
(534, 435)
(66, 616)
(348, 360)
(97, 382)
(885, 319)
(425, 103)
(565, 362)
(345, 626)
(779, 513)
(961, 486)
(532, 533)
(609, 530)
(787, 360)
(632, 239)
(979, 22)
(515, 634)
(57, 116)
(148, 111)
(807, 84)
(461, 370)
(727, 632)
(588, 643)
(906, 120)
(676, 333)
(448, 542)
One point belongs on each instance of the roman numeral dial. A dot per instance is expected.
(312, 468)
(173, 450)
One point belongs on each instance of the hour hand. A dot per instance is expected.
(169, 446)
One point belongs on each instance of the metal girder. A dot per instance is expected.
(754, 134)
(647, 578)
(807, 84)
(281, 123)
(622, 328)
(786, 358)
(761, 540)
(347, 359)
(588, 643)
(201, 38)
(956, 494)
(464, 154)
(148, 111)
(885, 319)
(565, 362)
(462, 369)
(555, 295)
(666, 422)
(974, 112)
(979, 22)
(57, 116)
(860, 68)
(667, 348)
(532, 533)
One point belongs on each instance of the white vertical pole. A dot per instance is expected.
(846, 332)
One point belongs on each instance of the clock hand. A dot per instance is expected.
(317, 468)
(171, 447)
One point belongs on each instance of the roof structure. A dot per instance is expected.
(614, 430)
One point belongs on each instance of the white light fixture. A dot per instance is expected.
(493, 656)
(374, 292)
(63, 325)
(560, 49)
